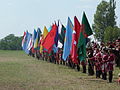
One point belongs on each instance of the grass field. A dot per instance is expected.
(21, 72)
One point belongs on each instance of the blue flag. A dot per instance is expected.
(34, 35)
(68, 39)
(49, 29)
(39, 31)
(36, 41)
(27, 39)
(55, 49)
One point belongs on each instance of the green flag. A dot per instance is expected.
(86, 26)
(62, 34)
(84, 33)
(82, 47)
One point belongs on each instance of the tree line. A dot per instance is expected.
(11, 42)
(105, 28)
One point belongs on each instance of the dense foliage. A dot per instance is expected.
(104, 21)
(111, 34)
(11, 42)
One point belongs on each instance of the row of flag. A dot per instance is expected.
(72, 39)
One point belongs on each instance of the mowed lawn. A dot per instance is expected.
(21, 72)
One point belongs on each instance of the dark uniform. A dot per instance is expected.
(90, 63)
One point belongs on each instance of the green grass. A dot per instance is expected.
(21, 72)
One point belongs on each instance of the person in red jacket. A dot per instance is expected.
(110, 64)
(104, 64)
(98, 60)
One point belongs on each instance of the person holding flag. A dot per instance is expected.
(84, 33)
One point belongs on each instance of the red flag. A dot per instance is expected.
(49, 39)
(75, 36)
(23, 38)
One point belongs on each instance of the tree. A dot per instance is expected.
(11, 42)
(103, 18)
(111, 34)
(111, 17)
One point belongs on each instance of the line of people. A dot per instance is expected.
(100, 60)
(103, 61)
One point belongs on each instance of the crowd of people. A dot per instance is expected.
(100, 60)
(103, 58)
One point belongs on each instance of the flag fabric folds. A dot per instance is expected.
(61, 34)
(33, 40)
(71, 39)
(62, 31)
(34, 35)
(68, 39)
(82, 47)
(36, 42)
(86, 26)
(84, 33)
(45, 32)
(30, 44)
(75, 36)
(26, 42)
(49, 40)
(56, 37)
(23, 39)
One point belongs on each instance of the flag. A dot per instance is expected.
(86, 26)
(30, 44)
(33, 40)
(49, 29)
(34, 35)
(23, 39)
(36, 42)
(39, 31)
(61, 33)
(55, 49)
(82, 47)
(49, 40)
(84, 33)
(39, 37)
(75, 36)
(68, 39)
(45, 32)
(26, 42)
(55, 46)
(59, 27)
(56, 37)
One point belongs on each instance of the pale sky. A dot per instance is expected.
(17, 16)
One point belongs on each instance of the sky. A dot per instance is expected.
(17, 16)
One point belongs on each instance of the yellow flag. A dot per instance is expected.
(45, 32)
(36, 42)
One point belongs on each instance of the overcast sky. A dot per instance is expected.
(16, 16)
